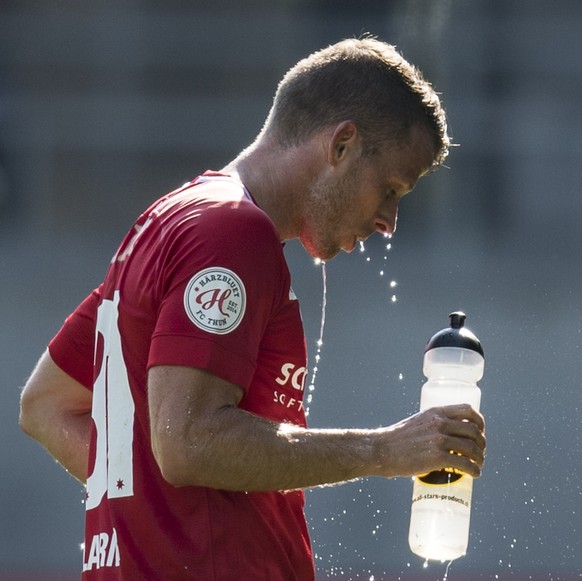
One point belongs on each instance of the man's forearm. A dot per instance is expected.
(55, 410)
(71, 449)
(240, 451)
(245, 452)
(67, 441)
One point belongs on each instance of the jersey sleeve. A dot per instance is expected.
(226, 277)
(72, 348)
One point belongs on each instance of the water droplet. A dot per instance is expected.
(393, 284)
(321, 328)
(393, 299)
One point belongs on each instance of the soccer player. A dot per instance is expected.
(175, 390)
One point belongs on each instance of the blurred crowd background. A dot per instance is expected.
(105, 106)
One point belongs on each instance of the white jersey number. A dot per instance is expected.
(112, 413)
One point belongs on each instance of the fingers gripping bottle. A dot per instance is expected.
(441, 500)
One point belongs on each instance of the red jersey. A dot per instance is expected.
(200, 281)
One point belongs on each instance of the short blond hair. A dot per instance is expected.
(366, 81)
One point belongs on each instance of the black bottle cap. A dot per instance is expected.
(455, 336)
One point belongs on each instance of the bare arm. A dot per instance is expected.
(200, 437)
(55, 410)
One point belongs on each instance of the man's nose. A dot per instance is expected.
(386, 221)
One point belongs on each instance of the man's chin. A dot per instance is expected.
(325, 255)
(322, 254)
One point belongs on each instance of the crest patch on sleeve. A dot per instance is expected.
(215, 300)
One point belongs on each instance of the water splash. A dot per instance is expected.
(392, 284)
(319, 343)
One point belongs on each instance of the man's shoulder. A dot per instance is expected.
(218, 210)
(225, 202)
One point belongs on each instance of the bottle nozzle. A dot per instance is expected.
(457, 319)
(456, 335)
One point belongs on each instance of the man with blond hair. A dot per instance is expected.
(174, 391)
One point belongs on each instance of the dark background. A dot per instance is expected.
(106, 105)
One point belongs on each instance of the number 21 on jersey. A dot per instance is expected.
(112, 413)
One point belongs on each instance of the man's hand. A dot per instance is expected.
(443, 437)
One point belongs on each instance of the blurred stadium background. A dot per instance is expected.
(105, 106)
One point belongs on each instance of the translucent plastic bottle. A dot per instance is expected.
(441, 500)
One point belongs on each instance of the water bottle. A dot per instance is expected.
(441, 500)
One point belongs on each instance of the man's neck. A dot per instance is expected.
(277, 178)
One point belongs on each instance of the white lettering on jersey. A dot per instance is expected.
(112, 413)
(288, 402)
(104, 552)
(215, 300)
(290, 373)
(138, 230)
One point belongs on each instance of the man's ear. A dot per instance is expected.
(344, 141)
